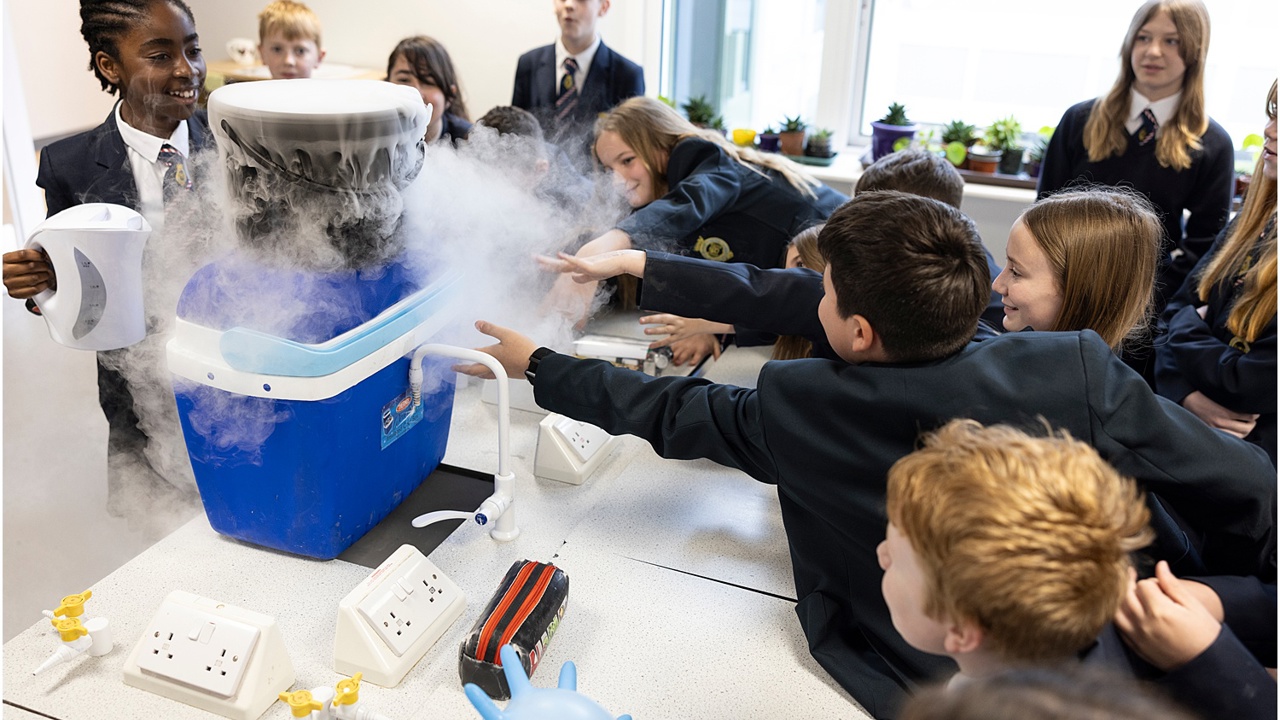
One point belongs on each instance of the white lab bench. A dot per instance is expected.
(681, 602)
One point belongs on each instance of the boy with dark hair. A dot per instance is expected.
(915, 172)
(911, 245)
(510, 120)
(826, 433)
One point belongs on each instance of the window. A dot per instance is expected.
(756, 61)
(980, 60)
(840, 63)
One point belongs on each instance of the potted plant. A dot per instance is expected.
(1035, 153)
(886, 131)
(1004, 135)
(983, 159)
(963, 134)
(819, 145)
(791, 139)
(701, 113)
(769, 140)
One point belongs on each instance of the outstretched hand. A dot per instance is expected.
(678, 328)
(691, 350)
(591, 268)
(1161, 619)
(512, 350)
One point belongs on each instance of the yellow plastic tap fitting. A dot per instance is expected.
(69, 628)
(73, 605)
(300, 702)
(348, 691)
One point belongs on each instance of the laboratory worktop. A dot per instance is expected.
(681, 601)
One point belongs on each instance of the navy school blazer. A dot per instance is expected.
(826, 433)
(94, 166)
(611, 79)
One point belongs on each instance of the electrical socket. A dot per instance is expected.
(405, 607)
(584, 440)
(211, 655)
(198, 648)
(388, 622)
(569, 450)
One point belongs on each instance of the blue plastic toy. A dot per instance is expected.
(530, 703)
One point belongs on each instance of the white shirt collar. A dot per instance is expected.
(584, 58)
(1163, 109)
(148, 145)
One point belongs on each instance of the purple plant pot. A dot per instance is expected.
(769, 143)
(884, 136)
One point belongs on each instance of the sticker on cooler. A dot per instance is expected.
(398, 416)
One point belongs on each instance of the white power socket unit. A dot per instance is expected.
(390, 620)
(211, 655)
(569, 451)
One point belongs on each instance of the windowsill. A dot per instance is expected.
(847, 168)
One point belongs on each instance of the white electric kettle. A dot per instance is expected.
(96, 252)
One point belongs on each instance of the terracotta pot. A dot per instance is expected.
(984, 163)
(792, 142)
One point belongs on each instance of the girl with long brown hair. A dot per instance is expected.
(1219, 359)
(694, 193)
(1151, 133)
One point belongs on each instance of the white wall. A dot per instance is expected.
(483, 38)
(62, 95)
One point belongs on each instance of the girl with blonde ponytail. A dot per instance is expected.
(1151, 133)
(1219, 360)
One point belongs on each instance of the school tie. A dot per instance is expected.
(1147, 132)
(176, 176)
(567, 100)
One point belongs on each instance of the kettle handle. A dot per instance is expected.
(45, 299)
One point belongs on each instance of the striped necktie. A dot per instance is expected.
(1147, 132)
(567, 100)
(175, 175)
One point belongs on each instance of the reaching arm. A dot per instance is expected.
(682, 418)
(780, 301)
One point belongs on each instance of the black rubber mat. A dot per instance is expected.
(448, 488)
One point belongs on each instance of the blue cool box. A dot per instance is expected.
(293, 394)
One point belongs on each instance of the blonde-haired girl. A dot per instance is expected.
(695, 193)
(1219, 359)
(1151, 132)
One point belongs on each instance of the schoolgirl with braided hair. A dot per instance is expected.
(148, 53)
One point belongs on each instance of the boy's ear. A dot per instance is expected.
(320, 53)
(864, 336)
(963, 637)
(604, 8)
(108, 66)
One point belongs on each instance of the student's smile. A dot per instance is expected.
(630, 173)
(160, 70)
(1028, 286)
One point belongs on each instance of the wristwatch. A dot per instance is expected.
(534, 360)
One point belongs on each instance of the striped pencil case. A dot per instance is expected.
(524, 612)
